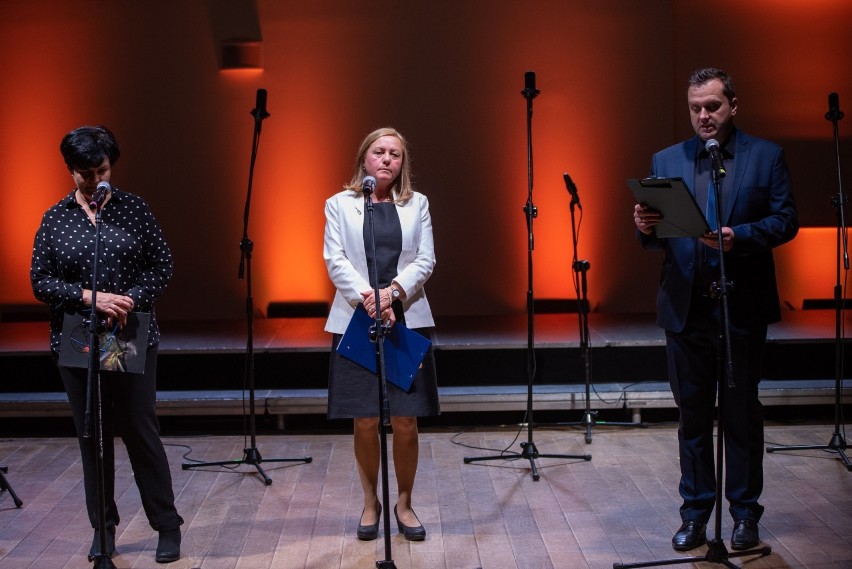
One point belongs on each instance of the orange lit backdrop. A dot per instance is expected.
(449, 75)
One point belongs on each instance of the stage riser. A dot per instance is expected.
(456, 367)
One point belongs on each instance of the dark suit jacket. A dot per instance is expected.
(759, 207)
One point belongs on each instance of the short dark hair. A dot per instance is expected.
(702, 76)
(87, 146)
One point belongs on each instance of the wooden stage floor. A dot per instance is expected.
(619, 507)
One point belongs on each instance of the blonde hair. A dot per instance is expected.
(401, 188)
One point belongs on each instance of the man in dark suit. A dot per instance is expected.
(757, 213)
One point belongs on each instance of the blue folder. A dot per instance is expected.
(404, 349)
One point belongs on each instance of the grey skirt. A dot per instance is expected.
(353, 391)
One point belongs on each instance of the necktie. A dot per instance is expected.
(712, 255)
(710, 210)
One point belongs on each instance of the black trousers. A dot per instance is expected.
(694, 368)
(128, 403)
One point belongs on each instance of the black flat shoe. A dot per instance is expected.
(417, 533)
(96, 542)
(745, 535)
(168, 548)
(370, 532)
(691, 534)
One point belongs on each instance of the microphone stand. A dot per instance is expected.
(837, 443)
(581, 267)
(94, 405)
(251, 455)
(716, 550)
(378, 331)
(529, 450)
(4, 486)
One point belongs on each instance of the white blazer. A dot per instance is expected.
(346, 258)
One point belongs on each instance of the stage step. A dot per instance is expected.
(633, 398)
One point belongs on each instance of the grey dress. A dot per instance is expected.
(353, 391)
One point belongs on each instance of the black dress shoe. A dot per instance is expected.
(745, 535)
(168, 548)
(415, 533)
(96, 542)
(370, 532)
(691, 534)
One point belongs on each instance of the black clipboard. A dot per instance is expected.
(681, 215)
(121, 350)
(404, 349)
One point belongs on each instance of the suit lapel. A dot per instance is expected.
(407, 219)
(356, 217)
(740, 165)
(688, 163)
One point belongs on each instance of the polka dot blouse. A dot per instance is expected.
(134, 258)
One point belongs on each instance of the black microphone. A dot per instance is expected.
(259, 110)
(368, 185)
(99, 196)
(529, 91)
(572, 189)
(715, 157)
(834, 113)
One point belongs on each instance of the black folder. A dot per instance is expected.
(122, 350)
(681, 215)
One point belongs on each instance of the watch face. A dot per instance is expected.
(395, 293)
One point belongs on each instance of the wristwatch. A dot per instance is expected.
(394, 293)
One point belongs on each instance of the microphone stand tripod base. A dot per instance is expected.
(716, 553)
(102, 561)
(837, 444)
(4, 486)
(529, 452)
(252, 457)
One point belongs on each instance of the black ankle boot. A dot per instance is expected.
(110, 542)
(168, 548)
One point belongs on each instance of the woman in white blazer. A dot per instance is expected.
(405, 258)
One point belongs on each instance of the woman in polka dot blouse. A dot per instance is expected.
(134, 267)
